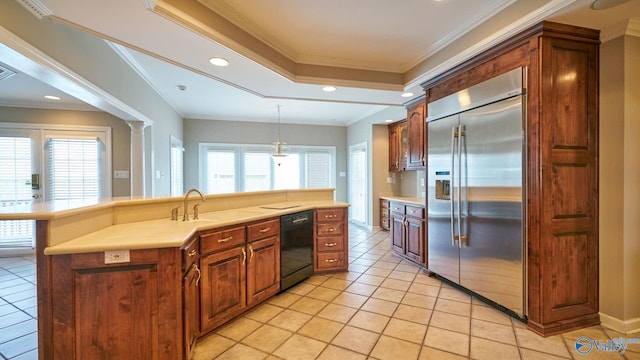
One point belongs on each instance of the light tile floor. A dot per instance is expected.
(383, 308)
(18, 308)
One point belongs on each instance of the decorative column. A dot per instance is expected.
(137, 157)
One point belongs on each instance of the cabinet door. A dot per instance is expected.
(416, 135)
(223, 292)
(397, 233)
(263, 269)
(415, 243)
(191, 308)
(397, 146)
(117, 311)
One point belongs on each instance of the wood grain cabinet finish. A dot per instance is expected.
(385, 215)
(117, 311)
(191, 294)
(242, 276)
(561, 166)
(416, 149)
(408, 232)
(263, 265)
(331, 239)
(398, 146)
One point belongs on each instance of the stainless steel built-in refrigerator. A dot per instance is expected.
(476, 189)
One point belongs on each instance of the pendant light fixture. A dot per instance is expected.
(279, 149)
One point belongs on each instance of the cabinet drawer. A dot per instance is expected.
(330, 260)
(415, 211)
(330, 244)
(384, 204)
(324, 215)
(330, 229)
(222, 239)
(190, 253)
(397, 208)
(263, 229)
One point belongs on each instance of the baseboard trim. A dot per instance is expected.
(624, 326)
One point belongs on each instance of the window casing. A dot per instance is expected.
(227, 168)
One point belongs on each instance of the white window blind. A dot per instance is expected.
(176, 176)
(15, 189)
(318, 170)
(249, 167)
(257, 171)
(74, 168)
(220, 170)
(358, 183)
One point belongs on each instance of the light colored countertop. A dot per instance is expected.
(405, 199)
(163, 233)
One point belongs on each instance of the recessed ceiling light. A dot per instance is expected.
(329, 88)
(217, 61)
(388, 121)
(407, 94)
(606, 4)
(51, 97)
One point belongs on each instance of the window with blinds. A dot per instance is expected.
(15, 189)
(176, 176)
(241, 167)
(74, 168)
(358, 182)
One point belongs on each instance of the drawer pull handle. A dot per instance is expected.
(331, 260)
(330, 244)
(225, 239)
(331, 230)
(192, 253)
(330, 216)
(265, 230)
(199, 274)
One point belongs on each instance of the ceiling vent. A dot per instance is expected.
(5, 73)
(36, 7)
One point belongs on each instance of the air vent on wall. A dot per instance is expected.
(5, 73)
(36, 7)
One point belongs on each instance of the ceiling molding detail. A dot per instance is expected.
(36, 7)
(496, 38)
(631, 28)
(461, 31)
(29, 60)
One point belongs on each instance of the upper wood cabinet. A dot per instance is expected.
(561, 165)
(398, 148)
(407, 146)
(416, 134)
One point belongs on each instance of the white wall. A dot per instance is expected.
(619, 185)
(372, 130)
(95, 61)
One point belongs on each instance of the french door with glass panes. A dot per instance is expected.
(48, 164)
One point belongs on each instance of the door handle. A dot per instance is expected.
(454, 136)
(36, 196)
(461, 135)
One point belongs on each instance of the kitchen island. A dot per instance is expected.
(120, 279)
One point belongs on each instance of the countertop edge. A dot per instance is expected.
(177, 232)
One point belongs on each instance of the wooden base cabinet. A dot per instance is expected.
(191, 294)
(129, 310)
(408, 231)
(561, 166)
(239, 277)
(331, 240)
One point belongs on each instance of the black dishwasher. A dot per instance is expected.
(296, 248)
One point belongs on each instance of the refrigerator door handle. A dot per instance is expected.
(454, 135)
(461, 138)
